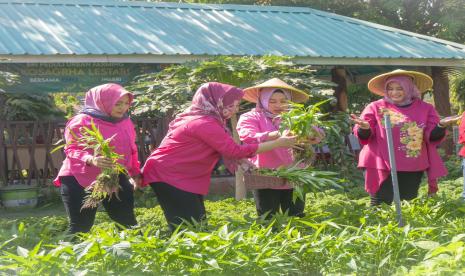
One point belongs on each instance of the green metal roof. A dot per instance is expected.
(69, 31)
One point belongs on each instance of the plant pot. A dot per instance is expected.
(19, 196)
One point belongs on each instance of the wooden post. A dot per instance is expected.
(241, 191)
(338, 76)
(3, 166)
(442, 99)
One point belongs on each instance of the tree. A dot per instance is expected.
(171, 90)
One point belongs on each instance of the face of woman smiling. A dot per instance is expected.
(277, 103)
(121, 107)
(395, 92)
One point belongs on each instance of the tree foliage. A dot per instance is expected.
(25, 107)
(457, 89)
(172, 89)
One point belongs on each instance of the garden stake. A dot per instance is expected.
(392, 162)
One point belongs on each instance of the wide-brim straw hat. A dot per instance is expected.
(422, 81)
(252, 93)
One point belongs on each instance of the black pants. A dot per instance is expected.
(120, 210)
(268, 201)
(179, 205)
(409, 184)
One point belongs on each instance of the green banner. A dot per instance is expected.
(72, 77)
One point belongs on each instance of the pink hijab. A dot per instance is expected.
(210, 100)
(409, 87)
(100, 100)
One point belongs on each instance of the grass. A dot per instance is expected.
(339, 235)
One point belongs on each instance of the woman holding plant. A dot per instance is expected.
(179, 170)
(101, 160)
(262, 124)
(416, 131)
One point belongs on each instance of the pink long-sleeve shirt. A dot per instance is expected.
(253, 128)
(187, 156)
(411, 128)
(76, 156)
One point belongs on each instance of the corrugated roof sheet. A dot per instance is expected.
(120, 28)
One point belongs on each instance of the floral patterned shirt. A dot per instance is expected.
(411, 129)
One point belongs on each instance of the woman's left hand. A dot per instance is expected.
(450, 120)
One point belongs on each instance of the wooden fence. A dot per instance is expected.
(25, 148)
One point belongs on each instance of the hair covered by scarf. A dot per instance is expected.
(209, 100)
(410, 90)
(264, 100)
(100, 101)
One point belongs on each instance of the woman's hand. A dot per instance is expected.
(246, 165)
(447, 121)
(136, 181)
(359, 121)
(286, 140)
(273, 135)
(101, 162)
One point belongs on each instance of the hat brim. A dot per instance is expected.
(422, 81)
(251, 94)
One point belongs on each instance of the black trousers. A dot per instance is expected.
(269, 201)
(179, 205)
(120, 210)
(409, 184)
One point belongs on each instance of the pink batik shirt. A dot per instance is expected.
(411, 128)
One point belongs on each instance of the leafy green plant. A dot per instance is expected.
(7, 78)
(171, 90)
(339, 235)
(24, 107)
(304, 122)
(457, 88)
(69, 103)
(106, 184)
(305, 179)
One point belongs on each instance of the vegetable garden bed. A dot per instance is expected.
(340, 234)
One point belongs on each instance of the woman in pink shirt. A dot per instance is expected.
(462, 150)
(179, 170)
(105, 105)
(262, 124)
(416, 132)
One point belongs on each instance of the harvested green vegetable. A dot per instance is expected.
(305, 179)
(106, 185)
(304, 123)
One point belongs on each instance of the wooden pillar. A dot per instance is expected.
(338, 76)
(3, 165)
(442, 99)
(241, 191)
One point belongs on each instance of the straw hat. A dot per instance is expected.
(422, 81)
(298, 96)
